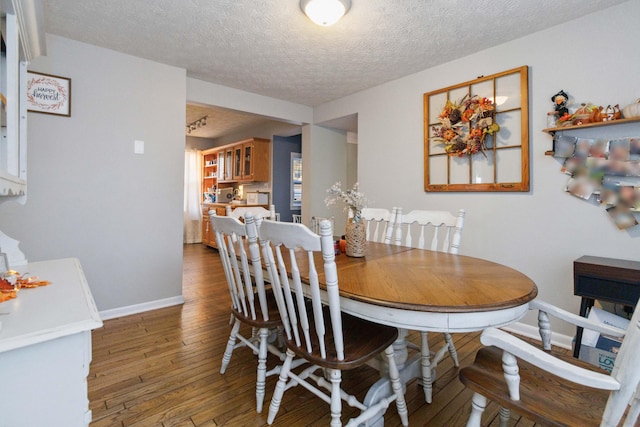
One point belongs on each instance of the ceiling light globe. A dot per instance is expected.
(325, 12)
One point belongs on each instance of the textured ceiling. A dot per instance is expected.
(270, 48)
(221, 121)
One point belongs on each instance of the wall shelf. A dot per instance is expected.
(552, 131)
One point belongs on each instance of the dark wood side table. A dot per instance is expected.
(605, 279)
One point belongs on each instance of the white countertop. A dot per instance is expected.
(62, 308)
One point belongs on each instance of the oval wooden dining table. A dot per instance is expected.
(415, 289)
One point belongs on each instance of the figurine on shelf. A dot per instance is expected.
(560, 101)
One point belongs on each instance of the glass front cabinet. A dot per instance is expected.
(245, 161)
(22, 33)
(237, 163)
(247, 169)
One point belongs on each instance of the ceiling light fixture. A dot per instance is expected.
(197, 124)
(325, 12)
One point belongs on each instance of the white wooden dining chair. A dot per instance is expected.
(443, 230)
(379, 223)
(255, 211)
(297, 218)
(329, 340)
(315, 223)
(251, 303)
(553, 391)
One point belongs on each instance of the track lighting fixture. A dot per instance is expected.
(197, 124)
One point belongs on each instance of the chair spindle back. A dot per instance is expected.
(230, 237)
(420, 223)
(379, 224)
(288, 245)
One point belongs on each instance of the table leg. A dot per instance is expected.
(382, 388)
(400, 348)
(585, 305)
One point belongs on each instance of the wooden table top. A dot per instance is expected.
(427, 281)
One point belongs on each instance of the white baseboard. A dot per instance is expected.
(140, 308)
(560, 340)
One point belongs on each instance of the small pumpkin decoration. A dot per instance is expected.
(632, 110)
(596, 114)
(617, 115)
(608, 113)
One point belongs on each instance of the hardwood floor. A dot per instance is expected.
(161, 368)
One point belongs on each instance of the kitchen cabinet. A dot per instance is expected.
(238, 169)
(228, 168)
(208, 237)
(45, 348)
(208, 234)
(221, 165)
(256, 166)
(209, 175)
(243, 161)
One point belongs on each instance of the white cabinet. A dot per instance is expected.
(45, 349)
(22, 41)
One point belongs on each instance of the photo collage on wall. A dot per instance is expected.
(608, 170)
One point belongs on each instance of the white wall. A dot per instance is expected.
(200, 92)
(324, 162)
(89, 195)
(541, 232)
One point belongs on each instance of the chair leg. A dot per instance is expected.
(262, 368)
(634, 411)
(280, 385)
(425, 362)
(396, 386)
(335, 377)
(452, 349)
(505, 415)
(230, 345)
(511, 374)
(478, 403)
(280, 337)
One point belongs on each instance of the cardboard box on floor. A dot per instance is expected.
(601, 350)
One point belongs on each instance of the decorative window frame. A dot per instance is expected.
(504, 166)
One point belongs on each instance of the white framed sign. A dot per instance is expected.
(48, 94)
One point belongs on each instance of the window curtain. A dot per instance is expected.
(192, 196)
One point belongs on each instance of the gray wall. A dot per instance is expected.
(539, 233)
(324, 162)
(89, 195)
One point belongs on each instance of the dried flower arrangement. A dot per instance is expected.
(465, 125)
(353, 198)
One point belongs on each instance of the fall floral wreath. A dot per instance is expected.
(465, 124)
